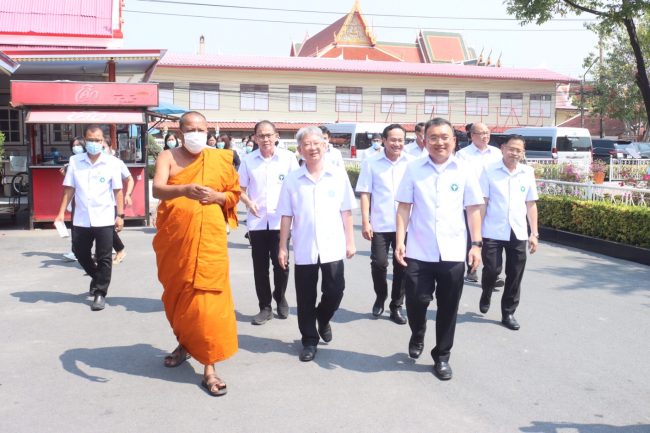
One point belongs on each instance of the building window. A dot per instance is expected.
(436, 101)
(254, 97)
(476, 103)
(349, 99)
(10, 125)
(302, 98)
(166, 93)
(512, 104)
(393, 100)
(204, 96)
(540, 105)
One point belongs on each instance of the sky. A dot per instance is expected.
(559, 46)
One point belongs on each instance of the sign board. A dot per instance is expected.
(83, 94)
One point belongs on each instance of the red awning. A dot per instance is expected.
(85, 116)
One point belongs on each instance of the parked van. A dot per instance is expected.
(352, 139)
(563, 144)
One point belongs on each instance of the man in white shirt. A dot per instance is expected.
(417, 148)
(318, 200)
(261, 175)
(480, 154)
(432, 196)
(378, 182)
(510, 192)
(375, 148)
(94, 180)
(332, 154)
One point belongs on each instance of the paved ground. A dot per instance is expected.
(579, 363)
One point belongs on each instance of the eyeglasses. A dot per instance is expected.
(265, 136)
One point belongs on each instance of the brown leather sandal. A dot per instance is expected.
(214, 385)
(177, 357)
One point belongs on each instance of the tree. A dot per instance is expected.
(610, 14)
(614, 92)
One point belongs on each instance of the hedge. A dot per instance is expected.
(626, 224)
(353, 174)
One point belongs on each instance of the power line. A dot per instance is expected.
(345, 13)
(327, 24)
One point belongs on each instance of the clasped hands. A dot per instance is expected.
(204, 194)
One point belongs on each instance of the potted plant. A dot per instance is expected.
(598, 169)
(2, 146)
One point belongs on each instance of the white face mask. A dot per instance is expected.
(195, 141)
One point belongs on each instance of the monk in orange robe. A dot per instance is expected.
(197, 187)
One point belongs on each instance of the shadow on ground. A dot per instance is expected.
(139, 305)
(54, 259)
(555, 427)
(329, 358)
(138, 360)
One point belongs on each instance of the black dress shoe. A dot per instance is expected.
(499, 283)
(378, 308)
(397, 316)
(510, 322)
(415, 349)
(263, 316)
(442, 370)
(484, 302)
(283, 308)
(98, 303)
(325, 332)
(308, 353)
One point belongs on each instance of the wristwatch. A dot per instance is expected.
(477, 244)
(121, 215)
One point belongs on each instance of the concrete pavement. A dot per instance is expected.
(578, 364)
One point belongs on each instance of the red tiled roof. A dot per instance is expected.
(404, 52)
(360, 66)
(322, 39)
(446, 48)
(359, 53)
(55, 17)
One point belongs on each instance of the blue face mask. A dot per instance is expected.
(249, 149)
(94, 147)
(376, 145)
(77, 149)
(171, 144)
(221, 145)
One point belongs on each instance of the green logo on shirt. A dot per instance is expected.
(454, 187)
(281, 177)
(523, 188)
(102, 180)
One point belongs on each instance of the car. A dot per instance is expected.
(553, 142)
(638, 150)
(605, 149)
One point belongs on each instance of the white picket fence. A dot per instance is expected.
(594, 192)
(620, 169)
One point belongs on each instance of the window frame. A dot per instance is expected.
(474, 95)
(433, 93)
(344, 95)
(388, 102)
(258, 92)
(202, 91)
(297, 94)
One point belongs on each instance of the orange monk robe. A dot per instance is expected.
(192, 257)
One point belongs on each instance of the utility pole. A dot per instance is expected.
(600, 73)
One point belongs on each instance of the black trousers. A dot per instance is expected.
(264, 246)
(469, 246)
(82, 245)
(380, 245)
(421, 280)
(515, 265)
(117, 242)
(306, 296)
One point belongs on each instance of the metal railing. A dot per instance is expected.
(593, 192)
(625, 169)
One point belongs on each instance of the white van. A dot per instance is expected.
(563, 144)
(352, 139)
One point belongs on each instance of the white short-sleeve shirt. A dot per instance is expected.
(414, 150)
(333, 156)
(507, 193)
(480, 158)
(316, 207)
(93, 184)
(438, 195)
(124, 170)
(263, 178)
(381, 177)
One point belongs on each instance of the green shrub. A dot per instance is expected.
(353, 174)
(626, 224)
